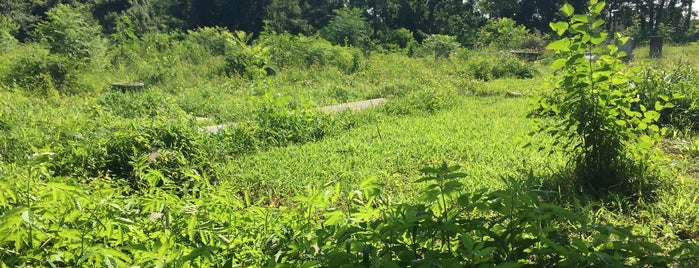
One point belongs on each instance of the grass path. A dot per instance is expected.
(484, 135)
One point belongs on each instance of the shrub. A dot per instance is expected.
(679, 87)
(287, 50)
(275, 123)
(506, 34)
(441, 46)
(397, 39)
(37, 70)
(244, 58)
(70, 32)
(450, 226)
(609, 140)
(421, 101)
(348, 27)
(488, 66)
(7, 31)
(215, 39)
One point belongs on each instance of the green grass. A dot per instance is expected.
(483, 135)
(437, 112)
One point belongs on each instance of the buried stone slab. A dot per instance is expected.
(352, 106)
(513, 94)
(128, 86)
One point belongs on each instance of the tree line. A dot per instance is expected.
(673, 19)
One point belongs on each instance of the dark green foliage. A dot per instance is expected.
(441, 46)
(70, 32)
(484, 66)
(348, 27)
(37, 70)
(7, 31)
(397, 39)
(245, 58)
(505, 34)
(285, 16)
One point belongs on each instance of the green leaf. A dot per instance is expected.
(642, 126)
(580, 18)
(559, 45)
(659, 106)
(580, 245)
(597, 24)
(567, 10)
(559, 27)
(598, 38)
(198, 252)
(557, 64)
(597, 8)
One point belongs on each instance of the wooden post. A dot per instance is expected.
(656, 46)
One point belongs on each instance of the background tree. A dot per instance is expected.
(71, 32)
(348, 27)
(286, 16)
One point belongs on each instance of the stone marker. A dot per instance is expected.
(513, 94)
(124, 86)
(628, 48)
(656, 46)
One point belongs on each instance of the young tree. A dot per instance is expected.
(286, 16)
(70, 31)
(348, 27)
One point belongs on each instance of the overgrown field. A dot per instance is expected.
(439, 175)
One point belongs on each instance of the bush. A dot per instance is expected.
(70, 32)
(215, 39)
(275, 123)
(421, 101)
(245, 59)
(398, 39)
(450, 226)
(287, 50)
(506, 34)
(441, 46)
(594, 99)
(488, 66)
(348, 27)
(679, 88)
(35, 69)
(7, 31)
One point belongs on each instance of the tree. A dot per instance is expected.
(71, 32)
(286, 16)
(348, 27)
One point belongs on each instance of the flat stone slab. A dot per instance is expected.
(216, 128)
(352, 106)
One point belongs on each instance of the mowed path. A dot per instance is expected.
(352, 106)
